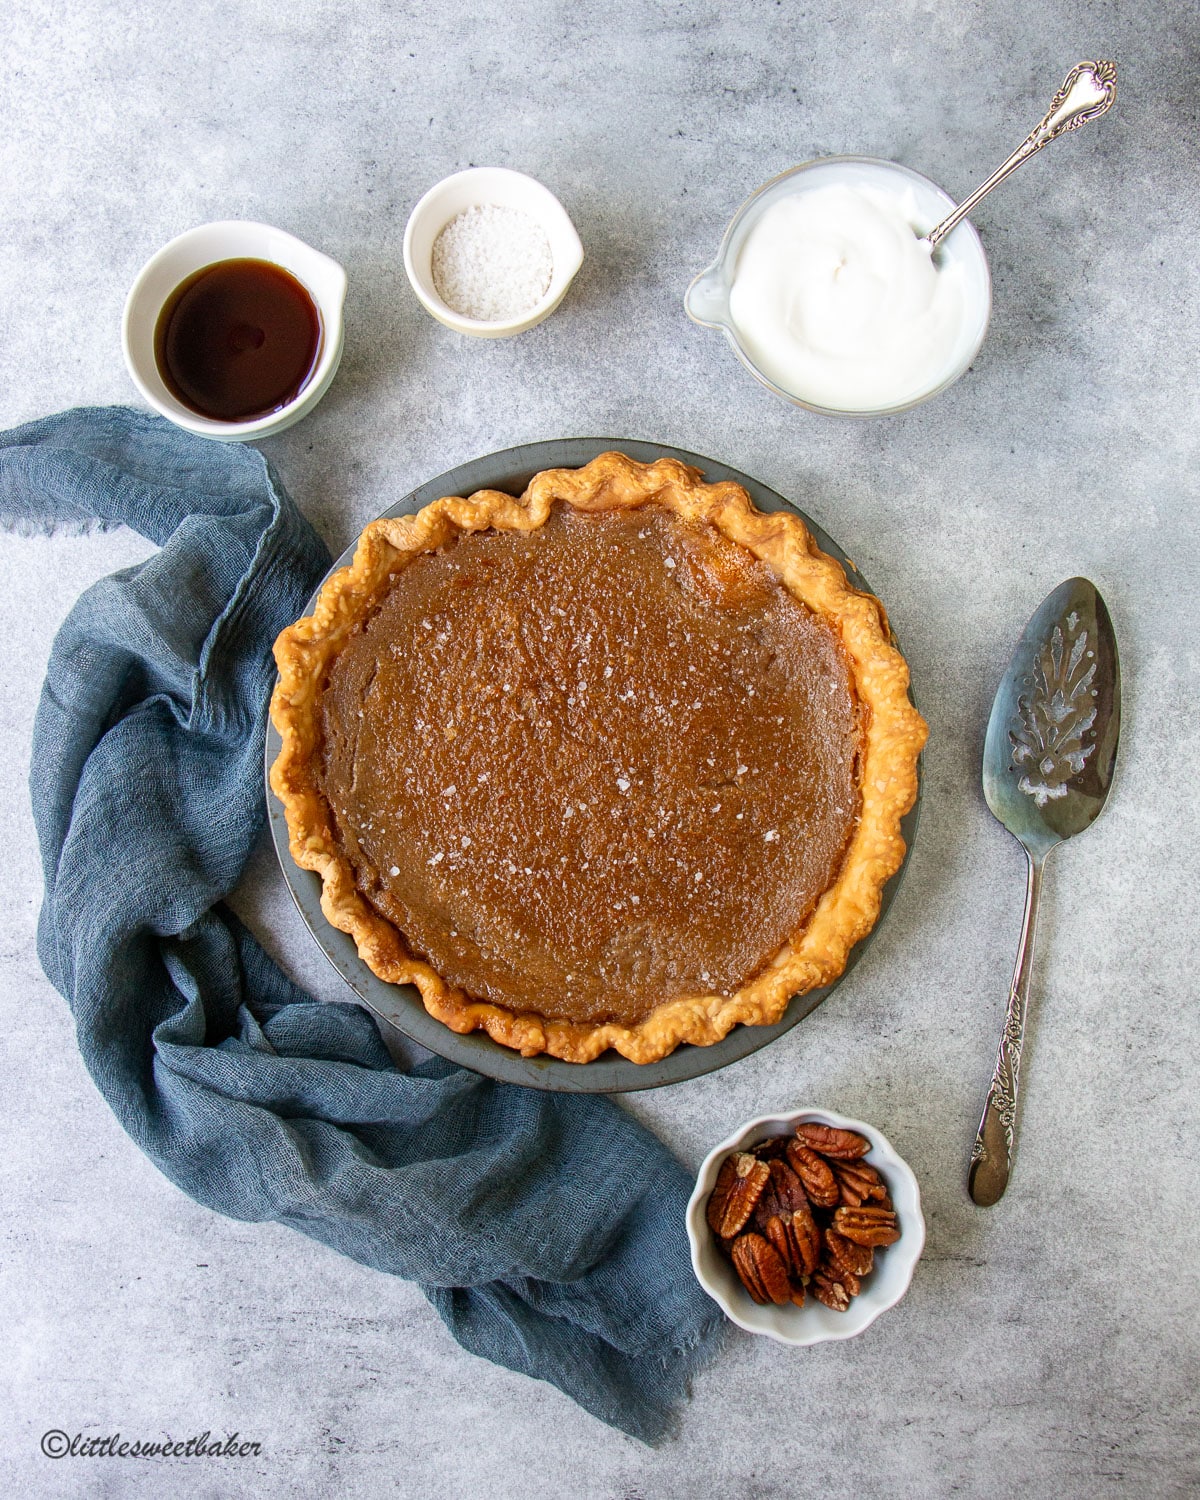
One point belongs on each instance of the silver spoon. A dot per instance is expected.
(1047, 767)
(1088, 90)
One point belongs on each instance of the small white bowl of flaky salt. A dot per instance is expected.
(490, 252)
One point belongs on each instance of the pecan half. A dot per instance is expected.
(739, 1186)
(846, 1279)
(808, 1233)
(778, 1233)
(797, 1238)
(845, 1255)
(825, 1288)
(869, 1225)
(761, 1269)
(783, 1191)
(841, 1145)
(858, 1182)
(815, 1173)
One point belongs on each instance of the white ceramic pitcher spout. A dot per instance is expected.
(707, 299)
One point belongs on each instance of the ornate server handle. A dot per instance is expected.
(1088, 90)
(991, 1159)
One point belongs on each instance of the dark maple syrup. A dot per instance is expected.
(237, 340)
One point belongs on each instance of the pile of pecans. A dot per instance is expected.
(802, 1211)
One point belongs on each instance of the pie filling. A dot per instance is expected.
(593, 767)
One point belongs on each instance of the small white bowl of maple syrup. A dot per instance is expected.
(234, 330)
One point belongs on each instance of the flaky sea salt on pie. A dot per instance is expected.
(620, 763)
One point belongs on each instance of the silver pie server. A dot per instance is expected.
(1047, 766)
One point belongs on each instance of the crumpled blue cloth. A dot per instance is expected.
(547, 1230)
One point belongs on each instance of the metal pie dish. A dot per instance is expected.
(400, 1005)
(814, 1323)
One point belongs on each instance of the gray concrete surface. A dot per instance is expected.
(1050, 1346)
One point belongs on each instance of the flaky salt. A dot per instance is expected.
(492, 263)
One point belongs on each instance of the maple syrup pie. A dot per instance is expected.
(620, 763)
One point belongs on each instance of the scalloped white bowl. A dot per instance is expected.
(814, 1323)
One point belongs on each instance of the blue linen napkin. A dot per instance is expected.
(547, 1230)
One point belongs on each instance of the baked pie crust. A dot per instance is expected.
(891, 735)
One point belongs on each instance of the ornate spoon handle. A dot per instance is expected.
(1088, 90)
(991, 1159)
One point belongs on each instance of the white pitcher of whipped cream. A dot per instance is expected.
(828, 297)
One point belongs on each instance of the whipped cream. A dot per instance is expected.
(837, 302)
